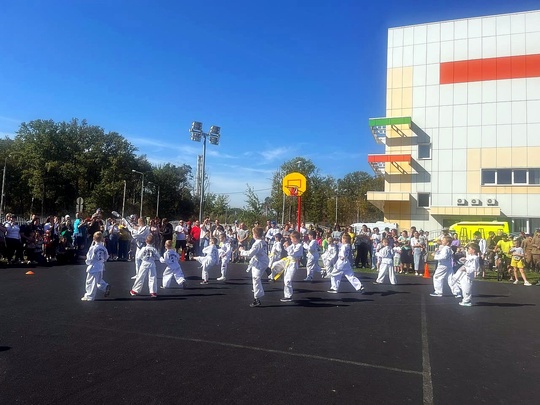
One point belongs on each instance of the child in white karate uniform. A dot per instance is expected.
(148, 256)
(275, 254)
(225, 253)
(444, 267)
(312, 263)
(343, 268)
(209, 259)
(258, 264)
(95, 259)
(464, 276)
(386, 256)
(329, 257)
(139, 234)
(289, 265)
(172, 259)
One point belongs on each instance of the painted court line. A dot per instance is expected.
(254, 348)
(427, 381)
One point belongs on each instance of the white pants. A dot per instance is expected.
(168, 275)
(463, 284)
(224, 266)
(335, 280)
(442, 273)
(147, 268)
(387, 268)
(137, 262)
(258, 290)
(206, 263)
(287, 280)
(94, 281)
(312, 265)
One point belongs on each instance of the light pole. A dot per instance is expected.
(142, 188)
(213, 136)
(3, 184)
(124, 199)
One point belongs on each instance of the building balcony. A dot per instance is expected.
(401, 162)
(378, 127)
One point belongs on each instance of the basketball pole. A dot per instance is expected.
(299, 211)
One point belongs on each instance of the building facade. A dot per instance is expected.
(462, 125)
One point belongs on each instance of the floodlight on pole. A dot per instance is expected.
(142, 189)
(197, 134)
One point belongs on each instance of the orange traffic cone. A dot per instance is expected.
(29, 272)
(426, 271)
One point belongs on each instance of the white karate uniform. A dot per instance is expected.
(275, 255)
(312, 263)
(172, 259)
(329, 257)
(258, 264)
(443, 270)
(386, 255)
(139, 235)
(95, 259)
(148, 256)
(290, 265)
(464, 277)
(343, 268)
(209, 259)
(225, 253)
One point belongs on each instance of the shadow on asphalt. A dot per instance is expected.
(501, 304)
(4, 348)
(490, 296)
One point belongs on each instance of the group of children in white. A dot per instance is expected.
(282, 259)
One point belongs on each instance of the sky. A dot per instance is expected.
(282, 78)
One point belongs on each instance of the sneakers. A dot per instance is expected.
(256, 303)
(332, 291)
(516, 282)
(107, 291)
(162, 288)
(221, 279)
(133, 293)
(527, 283)
(204, 282)
(134, 277)
(85, 298)
(465, 304)
(362, 290)
(435, 295)
(376, 282)
(308, 278)
(458, 296)
(153, 295)
(285, 299)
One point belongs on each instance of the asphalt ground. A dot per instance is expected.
(204, 344)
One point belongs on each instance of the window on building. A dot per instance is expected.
(515, 177)
(424, 151)
(423, 199)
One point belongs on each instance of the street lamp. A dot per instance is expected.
(3, 184)
(213, 136)
(142, 188)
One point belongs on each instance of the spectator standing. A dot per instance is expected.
(166, 233)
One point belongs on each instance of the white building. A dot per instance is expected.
(462, 125)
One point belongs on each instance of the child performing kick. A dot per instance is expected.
(172, 259)
(139, 234)
(444, 267)
(463, 279)
(225, 253)
(148, 256)
(343, 268)
(209, 259)
(275, 255)
(386, 254)
(312, 263)
(289, 264)
(95, 259)
(329, 257)
(258, 264)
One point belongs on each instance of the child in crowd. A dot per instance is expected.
(463, 278)
(329, 257)
(275, 254)
(397, 258)
(343, 268)
(50, 249)
(95, 259)
(172, 259)
(225, 253)
(386, 264)
(258, 263)
(209, 259)
(312, 248)
(517, 262)
(444, 267)
(289, 265)
(147, 257)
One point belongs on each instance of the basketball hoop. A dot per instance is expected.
(293, 191)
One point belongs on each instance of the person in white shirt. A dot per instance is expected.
(386, 255)
(181, 231)
(258, 263)
(312, 264)
(139, 234)
(225, 254)
(95, 259)
(173, 269)
(343, 268)
(209, 259)
(148, 256)
(461, 281)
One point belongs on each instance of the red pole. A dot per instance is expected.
(299, 211)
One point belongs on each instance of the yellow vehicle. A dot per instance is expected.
(465, 230)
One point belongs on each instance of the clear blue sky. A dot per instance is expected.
(283, 78)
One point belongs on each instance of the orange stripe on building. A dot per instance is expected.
(475, 70)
